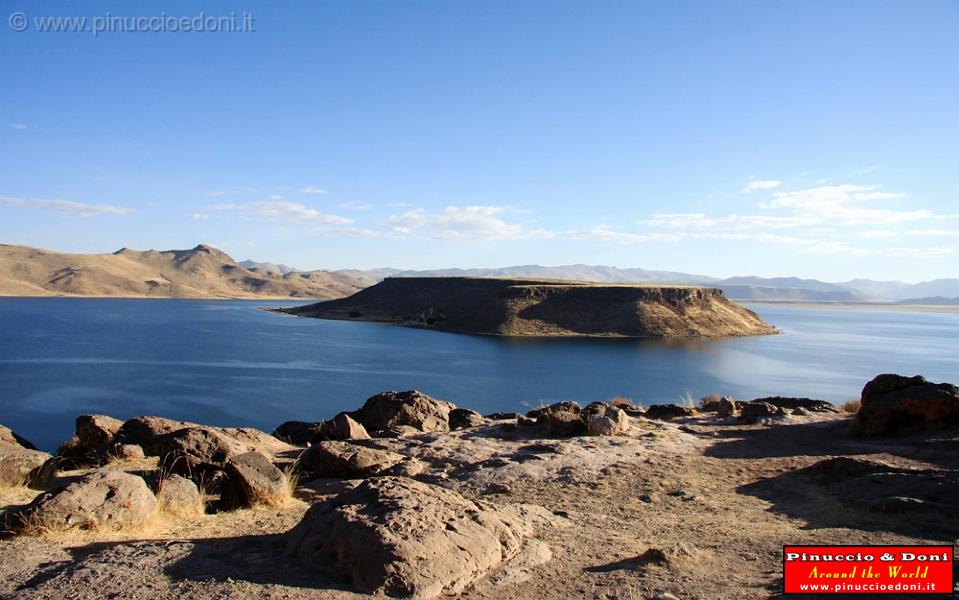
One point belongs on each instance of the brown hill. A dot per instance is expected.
(201, 272)
(537, 307)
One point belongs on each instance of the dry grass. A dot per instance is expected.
(686, 401)
(851, 406)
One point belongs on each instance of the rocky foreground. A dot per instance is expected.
(410, 496)
(544, 308)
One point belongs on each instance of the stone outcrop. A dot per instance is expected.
(411, 408)
(464, 418)
(750, 411)
(8, 436)
(196, 450)
(532, 307)
(602, 419)
(18, 465)
(343, 459)
(403, 538)
(103, 500)
(794, 403)
(894, 403)
(299, 433)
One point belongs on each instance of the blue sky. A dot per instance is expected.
(809, 138)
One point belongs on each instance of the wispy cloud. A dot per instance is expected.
(215, 193)
(463, 223)
(604, 233)
(934, 251)
(200, 216)
(67, 208)
(761, 184)
(19, 126)
(356, 206)
(312, 189)
(282, 211)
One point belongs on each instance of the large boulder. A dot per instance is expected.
(299, 433)
(343, 459)
(464, 418)
(806, 403)
(8, 436)
(343, 427)
(254, 480)
(402, 538)
(411, 408)
(541, 412)
(665, 412)
(196, 450)
(603, 419)
(563, 423)
(751, 411)
(18, 465)
(96, 432)
(144, 431)
(103, 500)
(179, 497)
(894, 403)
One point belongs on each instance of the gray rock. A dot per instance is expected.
(104, 500)
(403, 538)
(602, 419)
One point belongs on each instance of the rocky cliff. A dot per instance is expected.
(536, 307)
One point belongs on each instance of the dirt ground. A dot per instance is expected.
(719, 498)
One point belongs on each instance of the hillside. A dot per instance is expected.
(201, 272)
(537, 307)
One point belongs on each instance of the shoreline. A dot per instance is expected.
(875, 306)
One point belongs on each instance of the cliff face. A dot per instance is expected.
(530, 307)
(201, 272)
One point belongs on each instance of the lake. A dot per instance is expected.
(229, 363)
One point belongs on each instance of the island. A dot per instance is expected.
(544, 308)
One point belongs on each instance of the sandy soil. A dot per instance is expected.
(720, 498)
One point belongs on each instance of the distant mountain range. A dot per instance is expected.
(783, 289)
(200, 272)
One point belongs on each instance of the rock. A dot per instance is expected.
(128, 452)
(664, 596)
(196, 450)
(179, 497)
(711, 402)
(19, 465)
(664, 412)
(411, 408)
(799, 411)
(464, 418)
(71, 454)
(403, 538)
(520, 568)
(108, 500)
(8, 436)
(144, 431)
(96, 432)
(794, 403)
(398, 431)
(570, 407)
(502, 416)
(727, 407)
(893, 403)
(523, 421)
(750, 411)
(343, 427)
(343, 459)
(563, 424)
(299, 433)
(602, 419)
(254, 480)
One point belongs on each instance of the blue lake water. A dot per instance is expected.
(228, 363)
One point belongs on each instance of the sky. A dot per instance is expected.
(815, 139)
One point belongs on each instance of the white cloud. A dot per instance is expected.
(68, 208)
(762, 184)
(920, 252)
(699, 221)
(291, 212)
(200, 216)
(312, 189)
(838, 205)
(463, 223)
(356, 206)
(19, 126)
(604, 233)
(215, 193)
(877, 234)
(934, 232)
(877, 196)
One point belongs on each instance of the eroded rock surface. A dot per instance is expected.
(894, 403)
(107, 499)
